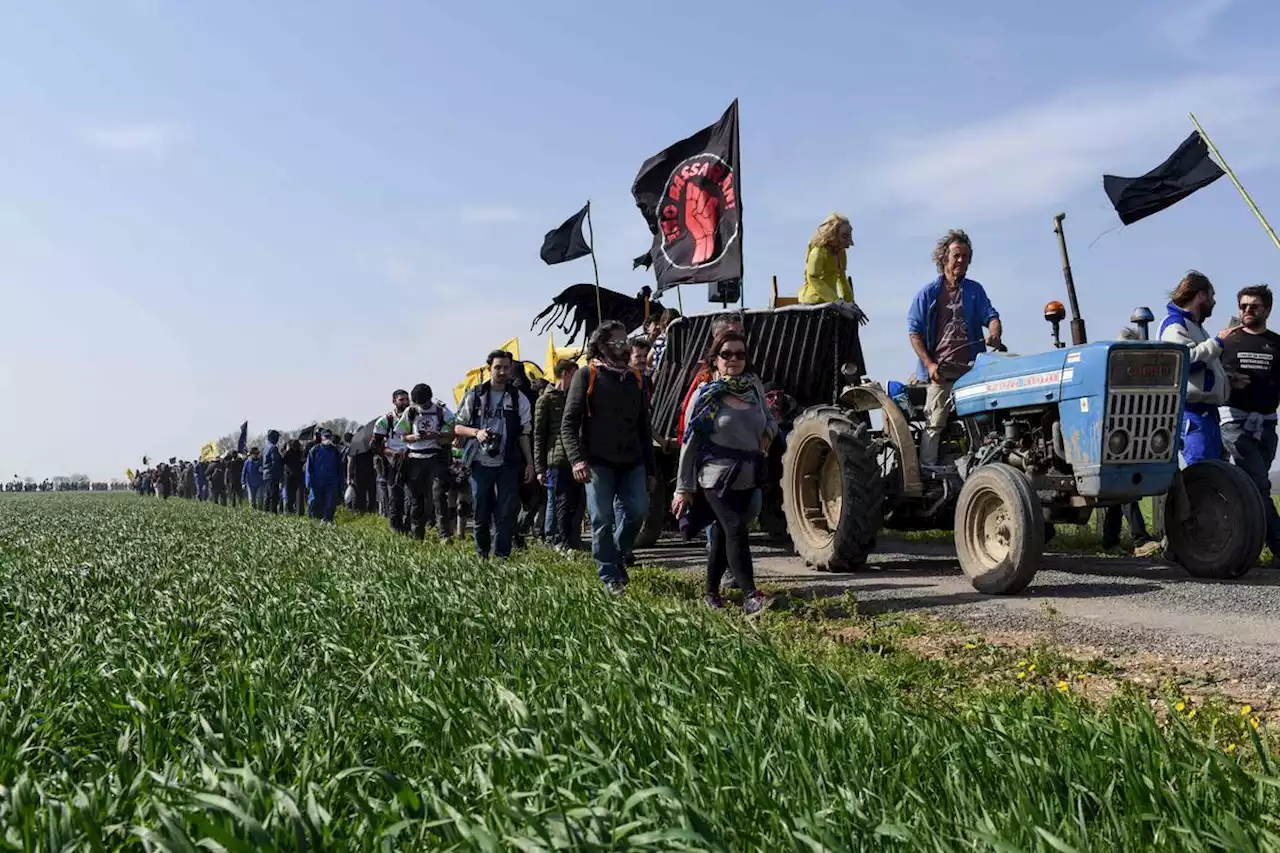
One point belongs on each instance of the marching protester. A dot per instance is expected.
(659, 337)
(272, 473)
(722, 461)
(202, 482)
(324, 477)
(1190, 304)
(217, 481)
(251, 478)
(606, 436)
(430, 433)
(233, 478)
(826, 261)
(295, 479)
(388, 451)
(1251, 361)
(1131, 513)
(564, 493)
(944, 325)
(498, 420)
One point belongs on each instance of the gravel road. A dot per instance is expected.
(1122, 606)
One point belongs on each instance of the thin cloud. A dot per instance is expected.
(497, 214)
(1185, 26)
(1002, 166)
(150, 140)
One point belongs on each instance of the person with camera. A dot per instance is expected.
(606, 436)
(427, 465)
(498, 420)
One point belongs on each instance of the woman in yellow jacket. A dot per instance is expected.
(824, 266)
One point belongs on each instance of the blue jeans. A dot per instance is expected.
(495, 501)
(323, 501)
(612, 537)
(549, 522)
(1201, 436)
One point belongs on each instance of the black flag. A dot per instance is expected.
(242, 444)
(689, 196)
(1187, 170)
(567, 242)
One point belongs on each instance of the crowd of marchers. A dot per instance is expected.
(530, 457)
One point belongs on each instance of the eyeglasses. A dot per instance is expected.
(733, 354)
(1250, 306)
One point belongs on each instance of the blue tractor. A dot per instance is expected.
(1033, 440)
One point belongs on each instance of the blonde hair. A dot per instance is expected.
(829, 230)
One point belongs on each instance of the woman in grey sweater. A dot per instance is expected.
(728, 429)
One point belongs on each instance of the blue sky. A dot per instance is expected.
(281, 212)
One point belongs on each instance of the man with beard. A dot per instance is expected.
(388, 453)
(1251, 361)
(499, 421)
(1190, 304)
(606, 436)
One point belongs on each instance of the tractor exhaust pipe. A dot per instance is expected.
(1078, 335)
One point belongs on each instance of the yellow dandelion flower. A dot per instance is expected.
(970, 646)
(1246, 710)
(1063, 687)
(1254, 722)
(1231, 747)
(1031, 668)
(1022, 663)
(1192, 714)
(1082, 676)
(1022, 675)
(1180, 707)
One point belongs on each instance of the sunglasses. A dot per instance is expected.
(733, 354)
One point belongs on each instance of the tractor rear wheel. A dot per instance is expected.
(1225, 521)
(832, 490)
(1000, 529)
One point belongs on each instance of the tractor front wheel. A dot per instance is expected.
(1000, 529)
(832, 490)
(1215, 520)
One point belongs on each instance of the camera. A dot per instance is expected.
(492, 443)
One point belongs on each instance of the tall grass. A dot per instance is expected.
(176, 672)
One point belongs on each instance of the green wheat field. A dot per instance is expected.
(181, 676)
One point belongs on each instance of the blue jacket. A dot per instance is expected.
(272, 463)
(324, 467)
(200, 477)
(252, 474)
(922, 317)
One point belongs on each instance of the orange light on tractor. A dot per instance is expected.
(1054, 312)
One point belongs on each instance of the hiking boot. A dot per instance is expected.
(1150, 548)
(755, 603)
(713, 601)
(615, 588)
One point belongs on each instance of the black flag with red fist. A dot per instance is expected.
(688, 194)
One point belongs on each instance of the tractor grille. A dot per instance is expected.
(1141, 414)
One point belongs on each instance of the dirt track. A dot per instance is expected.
(1121, 606)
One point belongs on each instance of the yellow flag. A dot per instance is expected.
(512, 346)
(209, 452)
(128, 473)
(550, 370)
(474, 377)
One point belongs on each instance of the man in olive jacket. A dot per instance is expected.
(564, 494)
(607, 439)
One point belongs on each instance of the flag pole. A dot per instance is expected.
(737, 178)
(1239, 186)
(591, 235)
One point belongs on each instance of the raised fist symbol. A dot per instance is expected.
(701, 216)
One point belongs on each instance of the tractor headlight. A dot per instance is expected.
(1118, 442)
(1160, 442)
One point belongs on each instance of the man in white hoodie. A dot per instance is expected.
(1190, 304)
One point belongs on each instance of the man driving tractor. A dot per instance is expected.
(943, 324)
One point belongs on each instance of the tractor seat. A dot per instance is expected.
(917, 395)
